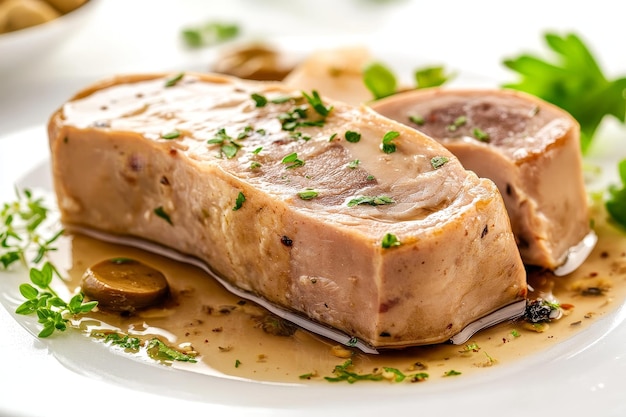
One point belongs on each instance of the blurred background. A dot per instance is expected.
(41, 69)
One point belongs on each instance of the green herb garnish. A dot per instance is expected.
(431, 77)
(379, 80)
(259, 100)
(458, 122)
(452, 372)
(616, 203)
(19, 230)
(170, 82)
(480, 134)
(315, 101)
(228, 146)
(390, 240)
(343, 373)
(308, 194)
(239, 201)
(171, 135)
(387, 145)
(352, 137)
(382, 82)
(438, 161)
(371, 200)
(354, 164)
(52, 312)
(573, 81)
(158, 350)
(417, 119)
(292, 161)
(160, 211)
(209, 34)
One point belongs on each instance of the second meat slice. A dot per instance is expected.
(328, 210)
(528, 147)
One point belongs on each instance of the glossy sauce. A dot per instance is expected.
(227, 332)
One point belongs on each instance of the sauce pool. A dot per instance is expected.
(235, 338)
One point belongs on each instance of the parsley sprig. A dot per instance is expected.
(573, 81)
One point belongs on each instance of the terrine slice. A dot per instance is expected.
(328, 210)
(528, 147)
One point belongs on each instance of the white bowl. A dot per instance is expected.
(26, 46)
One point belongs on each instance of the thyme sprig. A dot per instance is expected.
(20, 235)
(52, 311)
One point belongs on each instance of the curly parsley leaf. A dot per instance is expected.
(573, 81)
(616, 203)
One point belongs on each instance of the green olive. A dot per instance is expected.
(123, 284)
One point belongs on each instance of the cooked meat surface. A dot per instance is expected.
(528, 147)
(277, 201)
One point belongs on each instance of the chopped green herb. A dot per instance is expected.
(342, 373)
(239, 201)
(237, 363)
(307, 376)
(333, 136)
(390, 240)
(259, 100)
(247, 131)
(417, 119)
(352, 137)
(371, 200)
(452, 372)
(354, 164)
(458, 122)
(257, 150)
(431, 77)
(171, 135)
(292, 161)
(160, 351)
(170, 82)
(160, 211)
(255, 165)
(480, 135)
(370, 178)
(308, 194)
(616, 203)
(300, 135)
(379, 80)
(228, 146)
(209, 34)
(126, 342)
(315, 101)
(515, 333)
(387, 144)
(438, 161)
(574, 82)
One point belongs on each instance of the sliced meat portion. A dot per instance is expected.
(396, 248)
(528, 147)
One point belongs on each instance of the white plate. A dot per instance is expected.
(582, 375)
